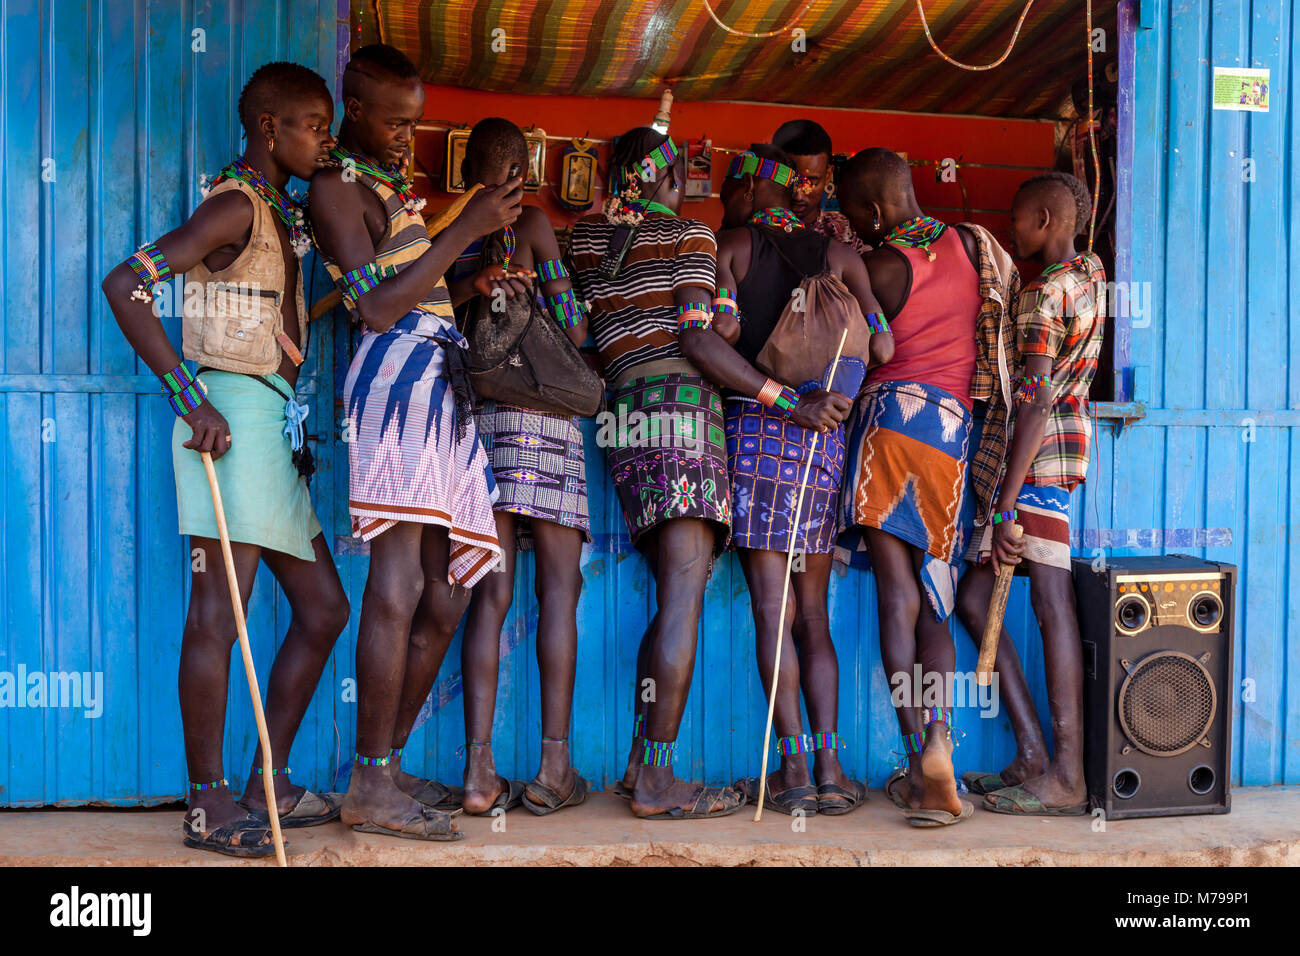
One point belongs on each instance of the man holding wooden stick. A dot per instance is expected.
(1059, 318)
(244, 324)
(787, 296)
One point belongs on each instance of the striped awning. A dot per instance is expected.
(855, 54)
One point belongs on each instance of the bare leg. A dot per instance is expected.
(973, 596)
(480, 656)
(558, 586)
(204, 678)
(819, 667)
(320, 611)
(765, 575)
(938, 659)
(639, 706)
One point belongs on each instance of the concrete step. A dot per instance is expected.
(1263, 829)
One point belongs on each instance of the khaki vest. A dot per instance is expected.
(234, 324)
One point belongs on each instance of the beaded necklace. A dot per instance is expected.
(390, 176)
(918, 233)
(778, 216)
(1079, 261)
(289, 210)
(508, 240)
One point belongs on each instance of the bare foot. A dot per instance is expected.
(555, 772)
(938, 786)
(633, 764)
(210, 809)
(1023, 768)
(658, 790)
(1054, 791)
(482, 782)
(827, 769)
(287, 794)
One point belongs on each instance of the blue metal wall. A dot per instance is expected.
(95, 577)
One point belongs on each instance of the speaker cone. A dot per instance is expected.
(1167, 703)
(1132, 614)
(1204, 611)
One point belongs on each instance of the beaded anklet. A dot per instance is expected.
(182, 391)
(150, 266)
(554, 740)
(938, 715)
(214, 785)
(282, 772)
(638, 724)
(395, 752)
(658, 753)
(913, 744)
(789, 746)
(371, 761)
(564, 309)
(876, 322)
(827, 740)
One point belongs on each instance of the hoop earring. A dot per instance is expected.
(830, 190)
(270, 145)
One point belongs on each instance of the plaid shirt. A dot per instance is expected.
(1060, 314)
(836, 225)
(999, 291)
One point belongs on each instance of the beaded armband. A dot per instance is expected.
(1001, 516)
(358, 282)
(564, 309)
(151, 267)
(876, 322)
(725, 302)
(694, 315)
(1029, 386)
(182, 392)
(551, 269)
(781, 397)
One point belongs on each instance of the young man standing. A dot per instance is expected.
(809, 146)
(764, 254)
(907, 449)
(1059, 321)
(420, 489)
(241, 248)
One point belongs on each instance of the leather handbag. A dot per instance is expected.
(520, 356)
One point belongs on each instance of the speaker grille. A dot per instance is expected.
(1167, 703)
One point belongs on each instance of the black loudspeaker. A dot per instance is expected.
(1157, 684)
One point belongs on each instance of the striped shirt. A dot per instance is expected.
(406, 240)
(633, 317)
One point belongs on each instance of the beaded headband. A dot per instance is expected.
(750, 163)
(665, 154)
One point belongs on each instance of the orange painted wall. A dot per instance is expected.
(1005, 151)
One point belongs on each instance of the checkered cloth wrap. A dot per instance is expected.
(1059, 314)
(767, 454)
(906, 474)
(669, 462)
(405, 462)
(537, 460)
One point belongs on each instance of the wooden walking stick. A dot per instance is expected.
(993, 623)
(268, 778)
(785, 587)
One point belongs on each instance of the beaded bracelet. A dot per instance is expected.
(1002, 516)
(725, 305)
(564, 309)
(694, 316)
(180, 389)
(876, 322)
(358, 282)
(551, 269)
(781, 397)
(150, 266)
(1029, 386)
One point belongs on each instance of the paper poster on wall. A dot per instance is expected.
(1239, 88)
(699, 168)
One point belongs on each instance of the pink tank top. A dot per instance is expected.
(934, 334)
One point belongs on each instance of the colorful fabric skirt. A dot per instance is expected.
(1043, 513)
(406, 461)
(906, 475)
(767, 455)
(538, 463)
(265, 499)
(667, 454)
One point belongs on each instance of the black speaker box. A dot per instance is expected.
(1157, 684)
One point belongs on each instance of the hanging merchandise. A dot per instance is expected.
(699, 168)
(578, 175)
(457, 143)
(536, 176)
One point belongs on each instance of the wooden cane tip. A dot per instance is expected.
(983, 679)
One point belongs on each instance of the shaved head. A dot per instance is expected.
(878, 175)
